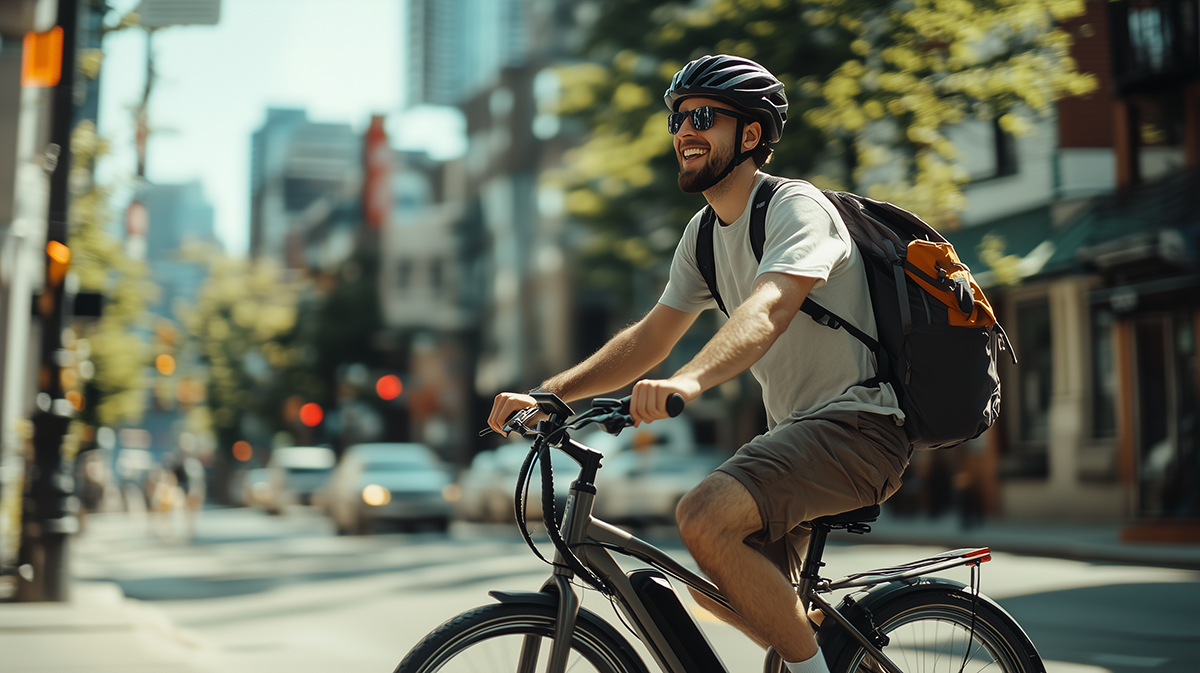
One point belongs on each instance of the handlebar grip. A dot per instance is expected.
(675, 405)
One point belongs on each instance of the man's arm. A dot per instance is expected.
(628, 355)
(743, 340)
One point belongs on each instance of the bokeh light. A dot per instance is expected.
(242, 450)
(376, 495)
(311, 414)
(165, 364)
(389, 387)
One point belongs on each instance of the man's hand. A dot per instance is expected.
(507, 404)
(649, 400)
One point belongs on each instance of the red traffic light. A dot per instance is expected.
(389, 387)
(311, 414)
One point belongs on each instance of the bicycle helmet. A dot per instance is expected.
(737, 81)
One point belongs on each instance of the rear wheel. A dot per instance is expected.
(516, 637)
(932, 631)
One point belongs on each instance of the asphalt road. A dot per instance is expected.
(261, 593)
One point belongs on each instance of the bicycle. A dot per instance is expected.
(929, 624)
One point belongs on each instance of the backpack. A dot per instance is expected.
(938, 336)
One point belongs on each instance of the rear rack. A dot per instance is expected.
(948, 559)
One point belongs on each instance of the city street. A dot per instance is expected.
(259, 593)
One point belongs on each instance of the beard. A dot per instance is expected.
(697, 180)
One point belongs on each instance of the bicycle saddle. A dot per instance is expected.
(860, 515)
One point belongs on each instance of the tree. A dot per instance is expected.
(922, 66)
(116, 391)
(243, 329)
(621, 181)
(869, 82)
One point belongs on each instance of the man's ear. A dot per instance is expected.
(751, 136)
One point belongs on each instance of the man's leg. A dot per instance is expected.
(714, 520)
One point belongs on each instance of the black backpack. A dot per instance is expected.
(938, 336)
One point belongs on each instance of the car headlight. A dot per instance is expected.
(376, 495)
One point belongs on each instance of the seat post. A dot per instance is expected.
(811, 571)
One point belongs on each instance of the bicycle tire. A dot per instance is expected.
(491, 637)
(928, 630)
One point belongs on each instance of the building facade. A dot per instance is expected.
(1088, 244)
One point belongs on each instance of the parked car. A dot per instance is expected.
(648, 469)
(644, 487)
(255, 488)
(294, 473)
(399, 483)
(488, 484)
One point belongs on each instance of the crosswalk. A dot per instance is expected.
(245, 551)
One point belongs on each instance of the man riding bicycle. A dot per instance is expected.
(835, 441)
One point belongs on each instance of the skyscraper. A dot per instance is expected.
(456, 48)
(299, 170)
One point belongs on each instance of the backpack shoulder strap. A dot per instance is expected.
(758, 212)
(708, 221)
(704, 254)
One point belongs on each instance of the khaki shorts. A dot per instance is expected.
(802, 469)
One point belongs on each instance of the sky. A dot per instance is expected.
(342, 61)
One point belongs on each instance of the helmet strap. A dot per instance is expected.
(739, 157)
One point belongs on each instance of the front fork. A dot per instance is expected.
(560, 584)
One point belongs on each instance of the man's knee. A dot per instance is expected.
(717, 510)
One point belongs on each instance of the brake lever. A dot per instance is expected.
(515, 423)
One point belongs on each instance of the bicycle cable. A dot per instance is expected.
(976, 582)
(540, 451)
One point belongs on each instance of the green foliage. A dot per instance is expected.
(622, 180)
(347, 317)
(116, 393)
(922, 66)
(243, 327)
(852, 68)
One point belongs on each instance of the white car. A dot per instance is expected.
(489, 483)
(646, 470)
(294, 474)
(399, 483)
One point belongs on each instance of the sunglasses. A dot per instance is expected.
(702, 118)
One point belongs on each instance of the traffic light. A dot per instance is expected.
(311, 414)
(389, 387)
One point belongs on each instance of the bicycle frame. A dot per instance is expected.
(591, 541)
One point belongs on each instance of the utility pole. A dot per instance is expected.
(50, 506)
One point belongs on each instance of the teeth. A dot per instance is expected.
(693, 152)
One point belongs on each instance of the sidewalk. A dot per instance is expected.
(1076, 541)
(97, 630)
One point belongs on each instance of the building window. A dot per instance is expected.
(404, 272)
(1104, 375)
(1006, 150)
(436, 276)
(1036, 370)
(986, 151)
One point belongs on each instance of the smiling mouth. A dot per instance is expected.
(693, 153)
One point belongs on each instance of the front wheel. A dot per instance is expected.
(932, 631)
(516, 637)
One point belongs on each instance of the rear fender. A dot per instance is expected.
(858, 608)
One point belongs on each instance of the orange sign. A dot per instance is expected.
(41, 58)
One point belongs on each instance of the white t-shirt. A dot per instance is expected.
(810, 368)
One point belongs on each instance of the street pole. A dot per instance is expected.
(49, 512)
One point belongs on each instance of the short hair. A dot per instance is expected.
(762, 154)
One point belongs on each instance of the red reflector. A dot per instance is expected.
(982, 555)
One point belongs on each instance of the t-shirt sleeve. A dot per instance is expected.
(686, 290)
(802, 237)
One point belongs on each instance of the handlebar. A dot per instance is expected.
(554, 431)
(612, 414)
